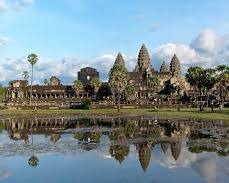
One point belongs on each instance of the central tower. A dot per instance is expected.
(144, 64)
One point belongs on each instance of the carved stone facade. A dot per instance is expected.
(54, 81)
(170, 81)
(175, 68)
(85, 75)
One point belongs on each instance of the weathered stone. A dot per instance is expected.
(119, 60)
(175, 68)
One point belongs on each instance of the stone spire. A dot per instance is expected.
(175, 68)
(119, 60)
(144, 59)
(144, 154)
(164, 67)
(164, 146)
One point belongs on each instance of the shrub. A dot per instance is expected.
(86, 105)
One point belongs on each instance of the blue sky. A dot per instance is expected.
(88, 29)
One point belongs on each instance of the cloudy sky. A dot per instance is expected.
(70, 34)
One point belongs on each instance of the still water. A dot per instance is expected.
(65, 149)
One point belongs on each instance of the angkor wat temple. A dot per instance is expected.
(171, 81)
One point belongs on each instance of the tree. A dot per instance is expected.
(45, 82)
(130, 92)
(118, 78)
(77, 86)
(193, 76)
(96, 84)
(3, 92)
(222, 77)
(154, 83)
(25, 75)
(32, 59)
(208, 81)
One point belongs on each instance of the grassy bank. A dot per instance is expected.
(185, 112)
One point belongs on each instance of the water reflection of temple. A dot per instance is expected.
(122, 133)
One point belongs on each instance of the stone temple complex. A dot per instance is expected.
(170, 79)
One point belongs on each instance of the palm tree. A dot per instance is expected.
(208, 80)
(32, 59)
(96, 84)
(118, 78)
(77, 86)
(193, 76)
(45, 82)
(222, 78)
(25, 75)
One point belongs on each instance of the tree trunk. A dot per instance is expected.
(118, 102)
(31, 87)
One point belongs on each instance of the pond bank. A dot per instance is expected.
(165, 112)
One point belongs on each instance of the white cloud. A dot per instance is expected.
(14, 4)
(4, 40)
(66, 69)
(206, 42)
(2, 5)
(20, 4)
(4, 174)
(207, 50)
(217, 52)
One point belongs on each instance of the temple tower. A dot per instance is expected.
(176, 149)
(175, 68)
(144, 154)
(119, 60)
(144, 64)
(164, 146)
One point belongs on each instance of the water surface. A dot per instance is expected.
(113, 150)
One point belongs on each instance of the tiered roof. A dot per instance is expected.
(119, 60)
(144, 59)
(175, 67)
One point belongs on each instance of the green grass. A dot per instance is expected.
(171, 112)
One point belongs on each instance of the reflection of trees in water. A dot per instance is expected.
(86, 136)
(164, 146)
(88, 140)
(33, 161)
(119, 152)
(119, 148)
(208, 145)
(55, 137)
(123, 133)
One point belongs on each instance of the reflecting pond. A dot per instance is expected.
(73, 149)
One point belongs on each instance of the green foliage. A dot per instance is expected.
(154, 83)
(130, 91)
(77, 86)
(208, 79)
(222, 77)
(118, 78)
(45, 82)
(25, 75)
(32, 59)
(86, 105)
(33, 161)
(3, 91)
(193, 76)
(96, 84)
(119, 152)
